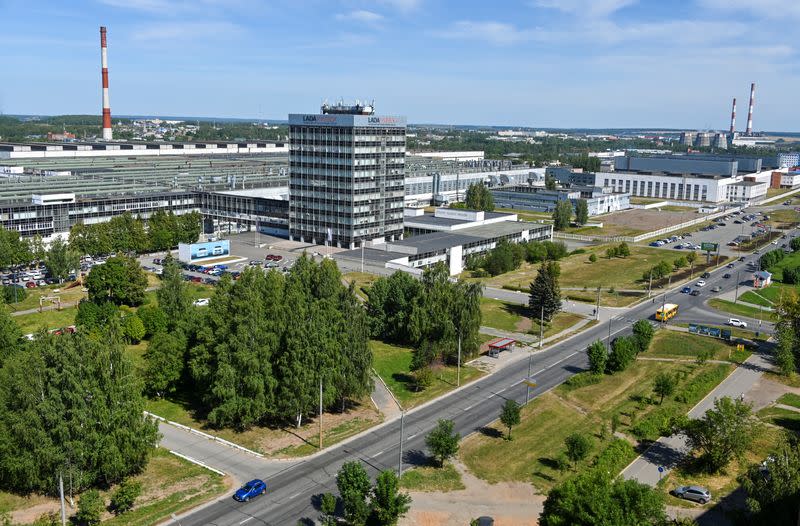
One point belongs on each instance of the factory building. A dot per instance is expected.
(36, 150)
(440, 189)
(346, 176)
(538, 199)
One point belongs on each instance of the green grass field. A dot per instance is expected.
(49, 319)
(775, 291)
(577, 271)
(547, 421)
(503, 315)
(429, 478)
(789, 399)
(738, 309)
(67, 295)
(789, 261)
(755, 298)
(393, 364)
(683, 345)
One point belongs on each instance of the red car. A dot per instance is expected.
(197, 279)
(30, 284)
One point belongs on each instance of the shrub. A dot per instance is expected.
(133, 328)
(423, 378)
(655, 424)
(593, 259)
(578, 251)
(615, 456)
(90, 508)
(14, 294)
(700, 385)
(579, 380)
(123, 498)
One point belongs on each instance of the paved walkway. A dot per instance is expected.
(668, 451)
(530, 339)
(384, 400)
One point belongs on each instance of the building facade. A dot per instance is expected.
(346, 177)
(539, 199)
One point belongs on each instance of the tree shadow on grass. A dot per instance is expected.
(490, 432)
(517, 310)
(407, 380)
(417, 458)
(548, 462)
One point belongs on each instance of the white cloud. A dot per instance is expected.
(773, 9)
(360, 15)
(498, 33)
(585, 8)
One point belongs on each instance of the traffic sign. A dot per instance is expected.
(709, 247)
(661, 469)
(530, 382)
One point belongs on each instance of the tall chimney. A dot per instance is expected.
(750, 110)
(104, 65)
(733, 116)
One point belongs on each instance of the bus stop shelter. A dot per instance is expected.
(500, 344)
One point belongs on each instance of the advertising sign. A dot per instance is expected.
(188, 253)
(709, 247)
(714, 332)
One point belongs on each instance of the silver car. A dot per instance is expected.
(695, 493)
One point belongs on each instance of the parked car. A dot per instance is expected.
(730, 265)
(256, 262)
(700, 283)
(197, 279)
(735, 322)
(686, 290)
(742, 258)
(252, 489)
(695, 493)
(726, 275)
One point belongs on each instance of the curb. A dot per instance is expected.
(204, 435)
(195, 461)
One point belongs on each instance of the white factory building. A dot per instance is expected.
(440, 189)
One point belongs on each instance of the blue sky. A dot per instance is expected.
(548, 63)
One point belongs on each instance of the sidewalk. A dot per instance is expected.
(668, 451)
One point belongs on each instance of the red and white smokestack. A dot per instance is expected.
(733, 116)
(106, 106)
(750, 110)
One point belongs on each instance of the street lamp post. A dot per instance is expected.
(400, 459)
(528, 388)
(541, 329)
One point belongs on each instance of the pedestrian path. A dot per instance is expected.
(666, 452)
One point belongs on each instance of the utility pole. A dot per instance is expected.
(362, 256)
(649, 287)
(736, 294)
(320, 413)
(541, 329)
(458, 367)
(61, 494)
(400, 460)
(597, 310)
(608, 343)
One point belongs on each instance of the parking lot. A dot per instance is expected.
(727, 233)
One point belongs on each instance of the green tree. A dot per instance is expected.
(390, 305)
(592, 258)
(442, 441)
(173, 295)
(120, 280)
(773, 487)
(623, 352)
(154, 319)
(90, 508)
(164, 362)
(479, 198)
(14, 250)
(545, 292)
(162, 230)
(623, 250)
(60, 260)
(680, 262)
(10, 335)
(327, 506)
(354, 487)
(133, 328)
(724, 432)
(598, 356)
(510, 415)
(506, 256)
(71, 404)
(643, 334)
(96, 318)
(612, 252)
(593, 497)
(578, 447)
(125, 495)
(549, 182)
(582, 212)
(691, 257)
(664, 385)
(562, 214)
(388, 504)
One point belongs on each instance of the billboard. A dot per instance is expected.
(190, 252)
(714, 332)
(709, 247)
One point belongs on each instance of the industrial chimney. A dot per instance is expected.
(750, 110)
(104, 65)
(733, 117)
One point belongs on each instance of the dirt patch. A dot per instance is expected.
(509, 503)
(647, 220)
(523, 325)
(28, 515)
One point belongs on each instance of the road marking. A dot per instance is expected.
(295, 495)
(247, 519)
(379, 453)
(412, 436)
(468, 408)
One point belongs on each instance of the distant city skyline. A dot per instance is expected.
(534, 63)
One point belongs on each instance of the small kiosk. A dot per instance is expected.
(500, 344)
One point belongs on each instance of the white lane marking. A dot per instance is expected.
(247, 519)
(468, 408)
(412, 436)
(379, 453)
(295, 495)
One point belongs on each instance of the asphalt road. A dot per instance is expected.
(292, 492)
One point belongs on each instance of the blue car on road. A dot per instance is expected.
(686, 290)
(252, 489)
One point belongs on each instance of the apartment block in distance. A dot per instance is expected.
(346, 176)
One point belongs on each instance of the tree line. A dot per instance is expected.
(128, 234)
(508, 256)
(562, 214)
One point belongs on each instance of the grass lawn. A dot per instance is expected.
(71, 295)
(783, 218)
(577, 271)
(393, 363)
(772, 192)
(673, 208)
(550, 418)
(49, 319)
(683, 345)
(645, 200)
(363, 280)
(790, 260)
(774, 292)
(560, 322)
(789, 399)
(429, 478)
(607, 299)
(169, 485)
(755, 297)
(781, 417)
(741, 310)
(505, 316)
(605, 230)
